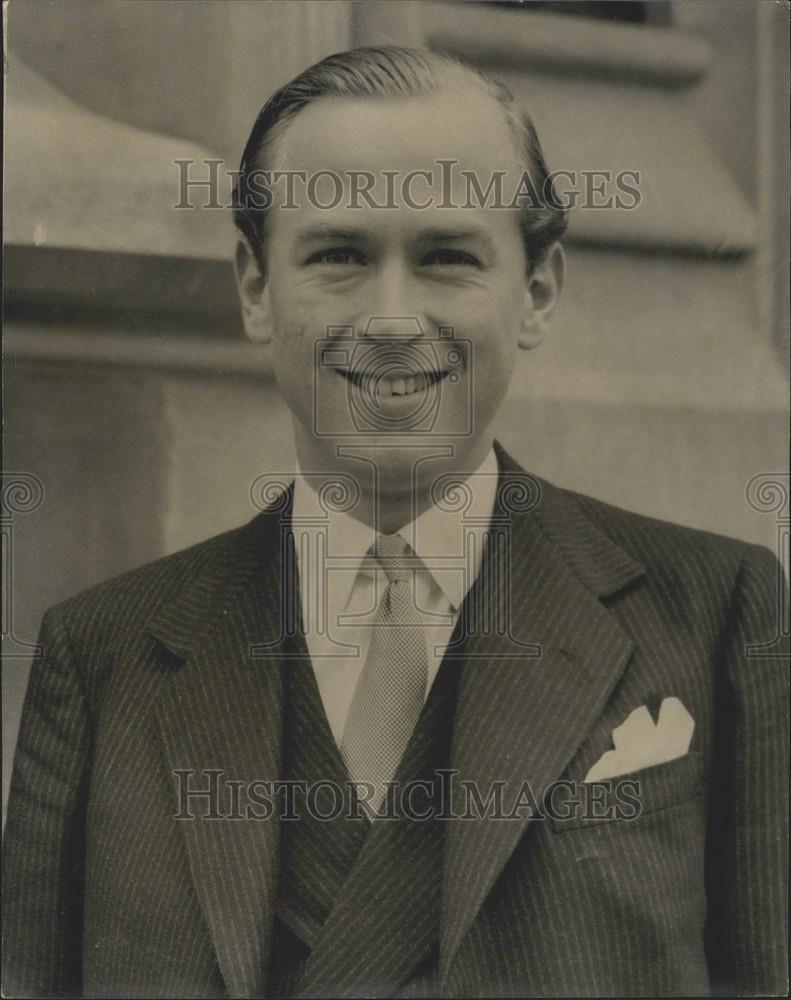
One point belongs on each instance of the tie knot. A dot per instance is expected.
(394, 556)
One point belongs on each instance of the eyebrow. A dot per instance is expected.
(440, 235)
(325, 232)
(321, 232)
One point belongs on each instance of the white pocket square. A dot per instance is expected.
(640, 743)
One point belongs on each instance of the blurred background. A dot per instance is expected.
(137, 416)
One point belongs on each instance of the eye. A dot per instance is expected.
(450, 258)
(337, 257)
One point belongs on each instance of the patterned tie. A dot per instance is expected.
(389, 696)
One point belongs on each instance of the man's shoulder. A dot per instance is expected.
(670, 553)
(130, 599)
(574, 518)
(650, 534)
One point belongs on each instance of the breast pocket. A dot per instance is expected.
(630, 796)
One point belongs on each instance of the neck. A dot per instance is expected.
(391, 494)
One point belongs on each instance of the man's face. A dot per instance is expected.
(394, 330)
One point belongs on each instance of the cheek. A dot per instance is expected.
(303, 314)
(493, 368)
(292, 360)
(493, 338)
(286, 307)
(292, 336)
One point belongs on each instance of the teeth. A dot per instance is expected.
(404, 385)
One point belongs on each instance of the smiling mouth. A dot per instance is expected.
(393, 385)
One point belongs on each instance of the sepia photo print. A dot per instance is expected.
(396, 500)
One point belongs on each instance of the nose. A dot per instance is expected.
(394, 309)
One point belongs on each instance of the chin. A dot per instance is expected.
(393, 460)
(396, 460)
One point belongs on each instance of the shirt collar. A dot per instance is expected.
(447, 537)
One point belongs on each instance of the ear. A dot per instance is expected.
(541, 295)
(253, 293)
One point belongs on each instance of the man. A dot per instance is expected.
(427, 726)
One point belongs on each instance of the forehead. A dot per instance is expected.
(398, 132)
(381, 136)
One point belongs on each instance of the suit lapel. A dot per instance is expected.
(221, 710)
(542, 655)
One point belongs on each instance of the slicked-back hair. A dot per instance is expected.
(392, 71)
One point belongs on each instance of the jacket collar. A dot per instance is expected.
(599, 563)
(542, 655)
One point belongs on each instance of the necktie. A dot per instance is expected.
(389, 696)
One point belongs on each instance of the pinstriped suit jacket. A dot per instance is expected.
(108, 894)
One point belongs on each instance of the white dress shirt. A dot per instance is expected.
(340, 586)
